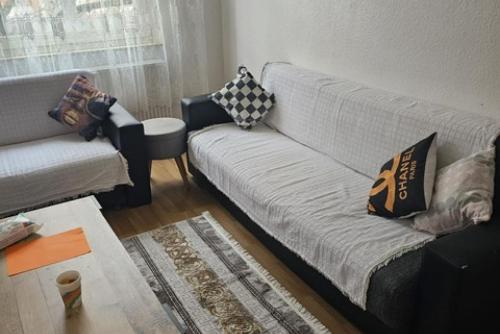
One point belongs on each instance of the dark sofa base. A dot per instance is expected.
(115, 199)
(120, 198)
(363, 319)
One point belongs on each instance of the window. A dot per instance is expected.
(87, 33)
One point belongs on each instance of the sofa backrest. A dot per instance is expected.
(363, 127)
(25, 101)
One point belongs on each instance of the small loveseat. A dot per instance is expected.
(43, 161)
(300, 183)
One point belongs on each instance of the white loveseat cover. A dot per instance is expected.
(40, 171)
(25, 102)
(312, 204)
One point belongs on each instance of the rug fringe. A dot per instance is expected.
(284, 293)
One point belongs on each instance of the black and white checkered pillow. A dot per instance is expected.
(244, 99)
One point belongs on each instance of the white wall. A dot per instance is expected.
(193, 39)
(213, 32)
(445, 51)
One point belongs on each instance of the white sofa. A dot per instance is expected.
(303, 178)
(41, 160)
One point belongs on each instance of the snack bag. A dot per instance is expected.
(15, 229)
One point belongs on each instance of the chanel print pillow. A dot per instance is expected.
(404, 186)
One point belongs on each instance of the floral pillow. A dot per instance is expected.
(463, 195)
(83, 108)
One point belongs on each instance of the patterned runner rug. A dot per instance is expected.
(212, 285)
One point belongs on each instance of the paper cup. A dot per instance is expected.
(69, 284)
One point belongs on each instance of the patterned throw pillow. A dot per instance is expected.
(83, 108)
(404, 185)
(244, 99)
(463, 195)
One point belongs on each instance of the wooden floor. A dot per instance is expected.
(173, 202)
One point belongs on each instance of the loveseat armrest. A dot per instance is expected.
(124, 130)
(200, 111)
(127, 135)
(460, 281)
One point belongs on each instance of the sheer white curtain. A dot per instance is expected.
(147, 53)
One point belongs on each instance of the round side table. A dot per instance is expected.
(166, 139)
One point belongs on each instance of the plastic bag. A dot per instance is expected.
(15, 229)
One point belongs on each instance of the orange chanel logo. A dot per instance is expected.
(388, 178)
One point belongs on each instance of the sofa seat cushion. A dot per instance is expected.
(312, 204)
(38, 172)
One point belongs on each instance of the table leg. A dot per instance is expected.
(182, 170)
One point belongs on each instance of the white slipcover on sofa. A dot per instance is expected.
(42, 160)
(304, 176)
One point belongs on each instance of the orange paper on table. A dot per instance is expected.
(41, 252)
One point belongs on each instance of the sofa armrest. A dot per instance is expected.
(460, 281)
(124, 130)
(200, 111)
(127, 135)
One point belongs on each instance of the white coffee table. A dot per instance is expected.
(116, 297)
